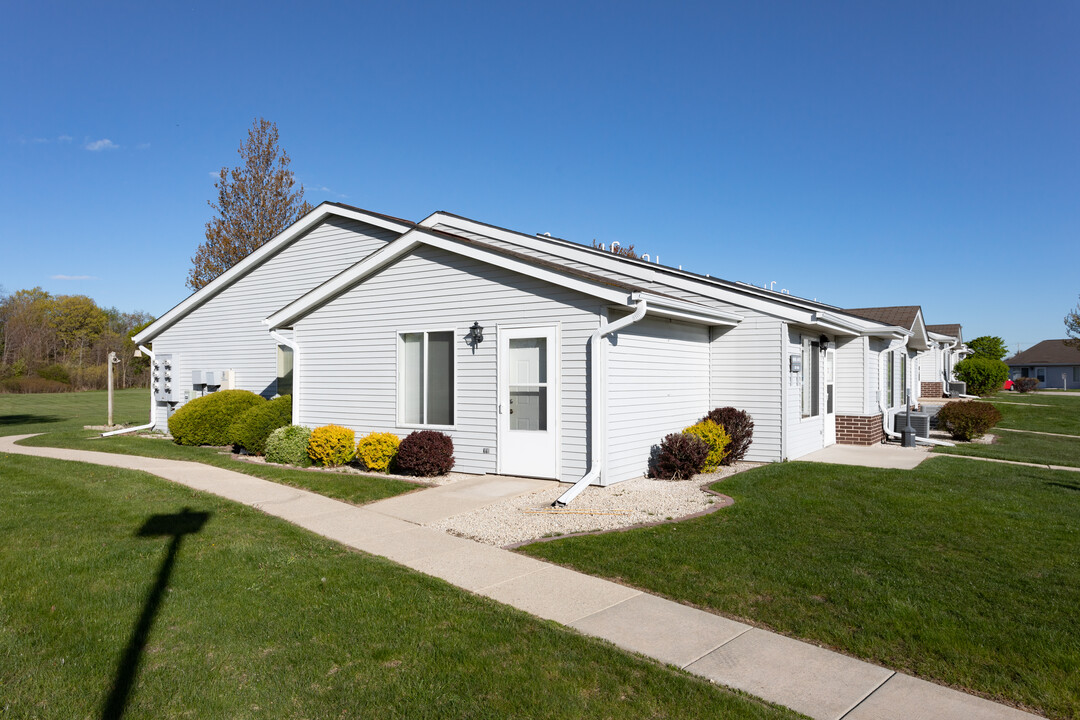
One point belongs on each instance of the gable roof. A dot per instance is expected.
(604, 288)
(908, 317)
(266, 251)
(950, 330)
(1048, 352)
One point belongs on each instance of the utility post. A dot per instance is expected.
(112, 361)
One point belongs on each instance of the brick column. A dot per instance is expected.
(859, 429)
(932, 390)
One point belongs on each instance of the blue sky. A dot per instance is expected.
(861, 153)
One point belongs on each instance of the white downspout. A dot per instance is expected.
(598, 413)
(896, 436)
(142, 348)
(291, 344)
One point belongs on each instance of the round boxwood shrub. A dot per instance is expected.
(680, 456)
(968, 420)
(332, 445)
(425, 453)
(206, 420)
(982, 375)
(289, 446)
(377, 450)
(255, 424)
(740, 428)
(715, 437)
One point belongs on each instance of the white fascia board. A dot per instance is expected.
(256, 258)
(938, 337)
(406, 244)
(660, 306)
(789, 309)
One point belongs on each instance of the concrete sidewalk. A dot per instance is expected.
(804, 677)
(891, 457)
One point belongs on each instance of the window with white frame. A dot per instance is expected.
(426, 378)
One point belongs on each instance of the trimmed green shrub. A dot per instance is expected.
(332, 445)
(740, 428)
(377, 450)
(680, 456)
(968, 420)
(715, 437)
(289, 446)
(982, 375)
(255, 424)
(56, 373)
(1026, 384)
(206, 420)
(425, 453)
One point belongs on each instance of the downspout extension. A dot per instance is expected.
(291, 344)
(599, 404)
(142, 348)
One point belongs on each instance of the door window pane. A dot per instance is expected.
(284, 370)
(528, 384)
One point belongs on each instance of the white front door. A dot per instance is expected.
(829, 431)
(528, 369)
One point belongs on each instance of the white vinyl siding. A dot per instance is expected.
(748, 370)
(227, 331)
(851, 376)
(658, 383)
(348, 370)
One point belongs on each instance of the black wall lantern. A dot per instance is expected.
(475, 336)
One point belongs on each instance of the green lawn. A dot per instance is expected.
(258, 618)
(1023, 447)
(1044, 413)
(964, 573)
(62, 417)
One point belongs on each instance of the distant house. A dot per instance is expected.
(1054, 363)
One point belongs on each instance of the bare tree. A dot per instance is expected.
(255, 202)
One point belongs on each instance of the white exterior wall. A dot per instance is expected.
(658, 383)
(748, 371)
(851, 376)
(227, 331)
(348, 361)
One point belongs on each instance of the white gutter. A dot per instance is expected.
(896, 436)
(599, 403)
(144, 349)
(291, 344)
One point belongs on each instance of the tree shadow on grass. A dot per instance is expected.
(1068, 486)
(176, 526)
(22, 419)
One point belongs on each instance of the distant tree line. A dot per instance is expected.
(51, 343)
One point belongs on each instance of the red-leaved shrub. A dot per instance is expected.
(1026, 384)
(680, 456)
(740, 428)
(968, 420)
(425, 453)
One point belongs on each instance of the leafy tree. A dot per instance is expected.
(982, 375)
(990, 347)
(255, 202)
(1072, 326)
(78, 322)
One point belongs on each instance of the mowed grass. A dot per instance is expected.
(62, 417)
(1023, 447)
(1043, 413)
(961, 572)
(262, 619)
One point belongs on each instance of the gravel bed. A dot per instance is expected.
(633, 502)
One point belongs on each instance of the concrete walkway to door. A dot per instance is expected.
(817, 682)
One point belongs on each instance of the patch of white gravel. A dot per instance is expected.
(633, 502)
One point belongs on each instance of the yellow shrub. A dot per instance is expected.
(715, 437)
(332, 445)
(377, 450)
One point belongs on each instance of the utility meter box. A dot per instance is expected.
(163, 379)
(197, 378)
(212, 378)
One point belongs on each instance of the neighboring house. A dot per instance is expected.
(1054, 363)
(947, 349)
(539, 356)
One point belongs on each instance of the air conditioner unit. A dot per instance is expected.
(919, 420)
(957, 388)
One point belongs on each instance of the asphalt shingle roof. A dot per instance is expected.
(1048, 352)
(900, 315)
